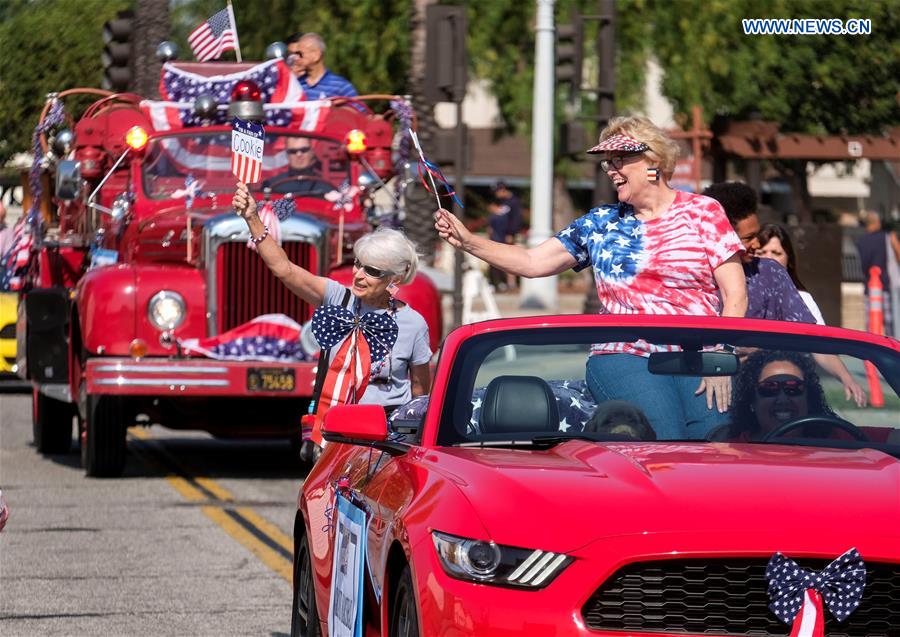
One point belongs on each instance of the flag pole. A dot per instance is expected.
(237, 41)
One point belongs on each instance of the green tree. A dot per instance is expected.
(819, 84)
(45, 46)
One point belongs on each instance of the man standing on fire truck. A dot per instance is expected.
(307, 59)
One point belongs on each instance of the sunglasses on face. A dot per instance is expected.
(293, 58)
(790, 387)
(297, 151)
(617, 161)
(371, 270)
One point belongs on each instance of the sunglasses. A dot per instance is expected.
(371, 270)
(293, 58)
(617, 161)
(297, 151)
(790, 387)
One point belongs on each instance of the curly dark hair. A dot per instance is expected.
(743, 418)
(770, 230)
(738, 200)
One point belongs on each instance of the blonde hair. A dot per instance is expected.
(663, 149)
(389, 249)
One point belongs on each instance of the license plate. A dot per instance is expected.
(270, 379)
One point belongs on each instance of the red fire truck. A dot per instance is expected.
(139, 250)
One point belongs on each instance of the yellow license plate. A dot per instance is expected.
(270, 379)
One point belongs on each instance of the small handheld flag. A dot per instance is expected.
(214, 36)
(247, 142)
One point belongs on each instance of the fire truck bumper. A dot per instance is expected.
(170, 377)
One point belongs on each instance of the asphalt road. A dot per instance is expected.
(195, 539)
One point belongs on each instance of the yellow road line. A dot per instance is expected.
(262, 538)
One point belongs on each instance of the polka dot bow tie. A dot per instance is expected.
(791, 587)
(331, 324)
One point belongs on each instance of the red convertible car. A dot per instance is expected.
(515, 502)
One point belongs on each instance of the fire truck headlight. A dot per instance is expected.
(166, 310)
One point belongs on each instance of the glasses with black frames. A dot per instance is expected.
(301, 149)
(371, 270)
(617, 161)
(790, 387)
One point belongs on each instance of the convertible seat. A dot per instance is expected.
(519, 404)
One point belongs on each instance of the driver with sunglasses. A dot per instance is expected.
(774, 388)
(385, 260)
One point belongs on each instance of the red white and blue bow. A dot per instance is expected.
(797, 593)
(366, 338)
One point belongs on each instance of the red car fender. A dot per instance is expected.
(106, 308)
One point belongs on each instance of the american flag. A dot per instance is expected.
(282, 97)
(213, 36)
(15, 262)
(271, 337)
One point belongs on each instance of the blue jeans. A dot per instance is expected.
(668, 402)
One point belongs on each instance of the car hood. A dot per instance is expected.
(578, 492)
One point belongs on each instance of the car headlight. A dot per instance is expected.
(166, 310)
(490, 563)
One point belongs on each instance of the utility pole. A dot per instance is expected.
(542, 293)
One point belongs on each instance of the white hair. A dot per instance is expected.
(388, 249)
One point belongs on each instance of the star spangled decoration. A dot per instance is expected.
(841, 585)
(284, 208)
(180, 87)
(621, 142)
(331, 324)
(573, 399)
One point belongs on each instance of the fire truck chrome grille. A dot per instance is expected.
(248, 289)
(727, 597)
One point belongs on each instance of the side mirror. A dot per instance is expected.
(68, 179)
(690, 363)
(364, 425)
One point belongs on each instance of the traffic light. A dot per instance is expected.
(570, 54)
(118, 35)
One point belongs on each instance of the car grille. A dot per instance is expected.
(247, 288)
(727, 597)
(8, 331)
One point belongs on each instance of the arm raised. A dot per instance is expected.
(550, 257)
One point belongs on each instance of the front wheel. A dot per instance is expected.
(51, 423)
(404, 614)
(305, 615)
(103, 438)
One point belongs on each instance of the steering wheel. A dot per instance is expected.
(287, 178)
(832, 421)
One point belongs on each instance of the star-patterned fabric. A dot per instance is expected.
(574, 400)
(270, 337)
(841, 585)
(621, 143)
(663, 266)
(331, 324)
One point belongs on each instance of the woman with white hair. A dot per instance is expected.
(385, 259)
(656, 251)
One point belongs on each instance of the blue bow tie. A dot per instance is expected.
(331, 324)
(841, 585)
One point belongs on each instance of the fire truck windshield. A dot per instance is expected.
(197, 162)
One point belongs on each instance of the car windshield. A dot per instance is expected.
(536, 386)
(197, 163)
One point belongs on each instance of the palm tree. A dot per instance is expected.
(151, 27)
(419, 203)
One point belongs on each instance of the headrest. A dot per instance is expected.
(519, 404)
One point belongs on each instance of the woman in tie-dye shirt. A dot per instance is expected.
(658, 251)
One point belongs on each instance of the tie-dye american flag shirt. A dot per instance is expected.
(662, 266)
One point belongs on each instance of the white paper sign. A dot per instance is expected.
(247, 142)
(345, 603)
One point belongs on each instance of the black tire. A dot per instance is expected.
(103, 446)
(404, 613)
(304, 615)
(51, 424)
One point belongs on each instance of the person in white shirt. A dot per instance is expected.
(776, 244)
